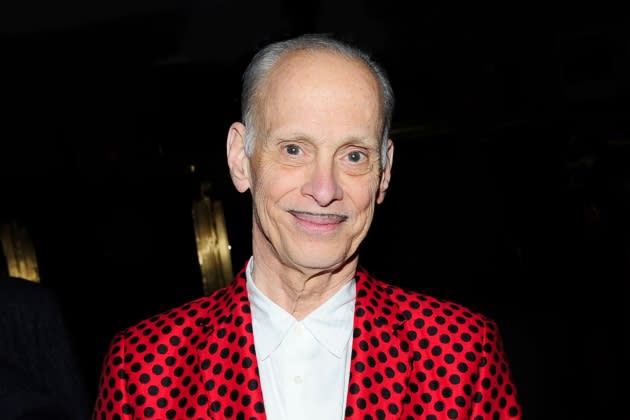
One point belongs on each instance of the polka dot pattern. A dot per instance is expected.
(197, 361)
(417, 357)
(413, 357)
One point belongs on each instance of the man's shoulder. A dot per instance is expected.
(414, 303)
(175, 325)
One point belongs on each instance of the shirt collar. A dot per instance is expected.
(330, 324)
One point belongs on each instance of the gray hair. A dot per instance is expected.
(266, 58)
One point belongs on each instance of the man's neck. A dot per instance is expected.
(299, 292)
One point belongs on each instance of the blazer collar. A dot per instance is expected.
(381, 358)
(226, 356)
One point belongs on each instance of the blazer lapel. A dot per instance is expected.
(381, 360)
(226, 359)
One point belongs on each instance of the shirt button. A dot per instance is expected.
(297, 380)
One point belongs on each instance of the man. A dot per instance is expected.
(303, 332)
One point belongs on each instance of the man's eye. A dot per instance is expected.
(292, 149)
(355, 156)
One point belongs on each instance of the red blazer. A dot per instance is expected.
(413, 357)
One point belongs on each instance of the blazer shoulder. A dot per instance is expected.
(413, 303)
(177, 324)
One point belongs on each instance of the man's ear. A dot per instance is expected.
(237, 160)
(386, 174)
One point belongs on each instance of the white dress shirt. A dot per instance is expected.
(304, 365)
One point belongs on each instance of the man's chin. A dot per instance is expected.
(314, 259)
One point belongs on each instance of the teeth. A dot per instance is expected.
(328, 218)
(319, 218)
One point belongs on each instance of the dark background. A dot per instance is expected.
(511, 184)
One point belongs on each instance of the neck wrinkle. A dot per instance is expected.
(299, 295)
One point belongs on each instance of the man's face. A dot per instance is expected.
(314, 173)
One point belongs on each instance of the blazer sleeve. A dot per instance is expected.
(112, 396)
(494, 392)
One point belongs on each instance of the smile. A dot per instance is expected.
(318, 219)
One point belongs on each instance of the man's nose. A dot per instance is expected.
(322, 183)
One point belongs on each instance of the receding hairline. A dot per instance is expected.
(298, 54)
(260, 92)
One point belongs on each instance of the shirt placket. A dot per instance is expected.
(296, 376)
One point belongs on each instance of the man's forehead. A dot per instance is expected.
(322, 62)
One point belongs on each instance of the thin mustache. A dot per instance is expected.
(326, 216)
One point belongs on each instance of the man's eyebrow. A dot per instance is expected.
(363, 140)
